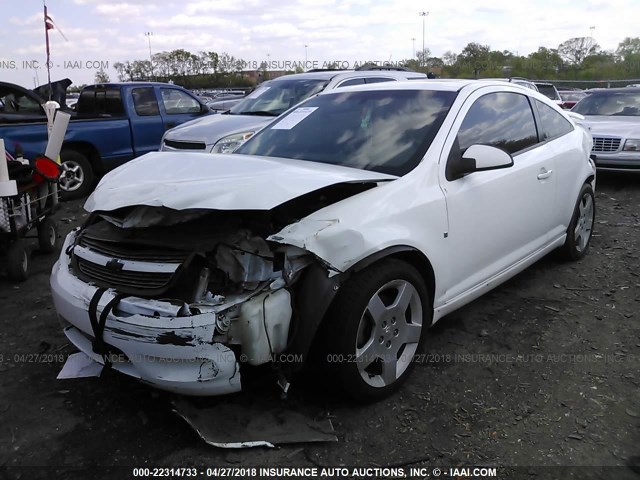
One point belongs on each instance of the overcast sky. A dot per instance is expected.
(348, 31)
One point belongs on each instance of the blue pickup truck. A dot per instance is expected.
(113, 123)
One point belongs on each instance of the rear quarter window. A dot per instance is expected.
(552, 123)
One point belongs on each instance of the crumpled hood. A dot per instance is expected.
(181, 180)
(622, 127)
(212, 128)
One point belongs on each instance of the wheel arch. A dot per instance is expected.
(409, 255)
(317, 285)
(89, 151)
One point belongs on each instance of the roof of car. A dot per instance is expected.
(330, 74)
(449, 85)
(131, 84)
(598, 91)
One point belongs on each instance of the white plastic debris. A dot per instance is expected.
(80, 365)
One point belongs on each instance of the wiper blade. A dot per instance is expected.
(261, 113)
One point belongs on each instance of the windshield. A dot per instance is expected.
(610, 103)
(548, 91)
(383, 131)
(274, 98)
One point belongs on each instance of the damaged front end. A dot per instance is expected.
(191, 300)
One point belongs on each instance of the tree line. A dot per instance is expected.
(578, 58)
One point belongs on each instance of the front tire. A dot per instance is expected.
(374, 328)
(77, 175)
(581, 226)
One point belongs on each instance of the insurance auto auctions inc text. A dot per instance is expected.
(65, 64)
(351, 472)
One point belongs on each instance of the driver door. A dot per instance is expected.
(498, 217)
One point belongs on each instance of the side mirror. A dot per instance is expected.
(478, 158)
(488, 158)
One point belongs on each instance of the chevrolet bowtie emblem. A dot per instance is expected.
(115, 265)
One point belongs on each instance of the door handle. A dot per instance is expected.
(544, 174)
(170, 125)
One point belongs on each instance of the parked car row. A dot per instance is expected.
(337, 231)
(96, 141)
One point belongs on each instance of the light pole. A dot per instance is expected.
(149, 35)
(423, 15)
(413, 39)
(591, 29)
(305, 55)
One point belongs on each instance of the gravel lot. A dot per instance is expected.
(543, 371)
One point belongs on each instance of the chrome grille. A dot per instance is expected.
(128, 251)
(126, 279)
(180, 145)
(606, 144)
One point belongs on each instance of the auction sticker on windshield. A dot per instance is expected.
(294, 118)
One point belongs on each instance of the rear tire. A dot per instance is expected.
(581, 226)
(77, 175)
(18, 261)
(374, 328)
(48, 235)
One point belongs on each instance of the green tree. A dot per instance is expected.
(474, 58)
(101, 77)
(628, 48)
(575, 50)
(124, 71)
(543, 63)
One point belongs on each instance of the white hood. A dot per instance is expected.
(180, 180)
(622, 127)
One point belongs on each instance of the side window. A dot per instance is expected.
(144, 101)
(501, 119)
(176, 101)
(379, 79)
(553, 124)
(352, 81)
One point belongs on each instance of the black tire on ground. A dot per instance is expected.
(18, 261)
(581, 226)
(77, 175)
(374, 328)
(48, 235)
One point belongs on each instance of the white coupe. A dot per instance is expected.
(346, 227)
